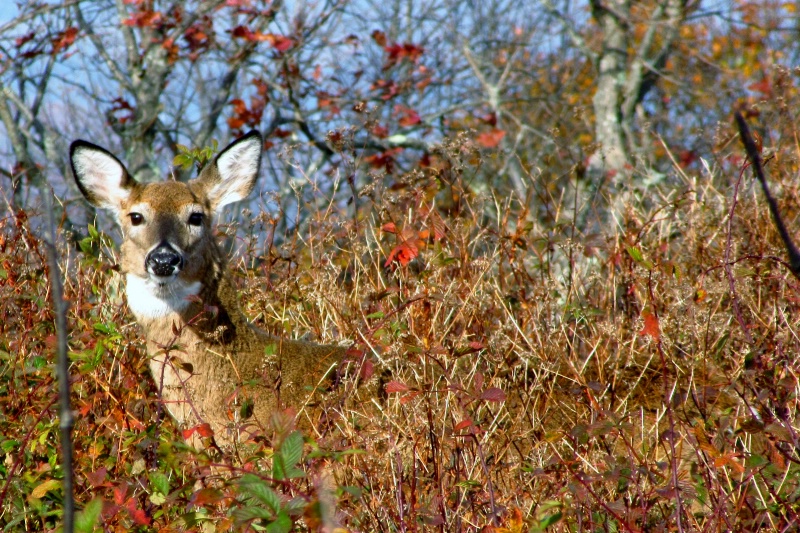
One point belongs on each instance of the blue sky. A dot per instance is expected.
(8, 10)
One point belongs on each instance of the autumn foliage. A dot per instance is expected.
(544, 363)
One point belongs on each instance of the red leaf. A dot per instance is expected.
(367, 370)
(389, 227)
(650, 326)
(19, 41)
(139, 516)
(281, 43)
(463, 424)
(398, 52)
(395, 386)
(97, 477)
(493, 394)
(64, 39)
(204, 430)
(490, 139)
(380, 131)
(143, 19)
(408, 397)
(379, 37)
(403, 253)
(764, 87)
(120, 492)
(408, 117)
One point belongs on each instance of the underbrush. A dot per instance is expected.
(534, 382)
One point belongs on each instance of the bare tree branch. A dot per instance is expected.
(754, 155)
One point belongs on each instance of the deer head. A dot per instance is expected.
(168, 251)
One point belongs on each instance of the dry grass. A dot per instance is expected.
(642, 383)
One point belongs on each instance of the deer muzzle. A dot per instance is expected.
(164, 261)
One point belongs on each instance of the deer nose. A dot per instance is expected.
(164, 261)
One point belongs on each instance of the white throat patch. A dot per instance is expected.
(148, 299)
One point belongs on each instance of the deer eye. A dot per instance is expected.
(196, 219)
(136, 218)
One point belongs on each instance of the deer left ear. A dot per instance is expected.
(232, 176)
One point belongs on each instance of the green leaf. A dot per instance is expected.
(182, 160)
(258, 489)
(278, 470)
(43, 488)
(86, 519)
(755, 461)
(292, 449)
(159, 482)
(377, 314)
(86, 245)
(246, 410)
(282, 524)
(636, 255)
(550, 520)
(243, 514)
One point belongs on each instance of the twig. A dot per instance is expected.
(668, 408)
(727, 262)
(66, 418)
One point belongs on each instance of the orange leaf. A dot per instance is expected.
(204, 496)
(650, 326)
(490, 139)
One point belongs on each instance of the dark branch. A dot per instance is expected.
(758, 168)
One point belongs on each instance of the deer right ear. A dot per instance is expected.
(100, 176)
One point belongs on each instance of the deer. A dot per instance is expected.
(206, 358)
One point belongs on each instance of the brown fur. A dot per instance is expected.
(206, 358)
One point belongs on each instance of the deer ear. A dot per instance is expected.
(232, 175)
(100, 176)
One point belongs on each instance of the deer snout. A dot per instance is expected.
(164, 261)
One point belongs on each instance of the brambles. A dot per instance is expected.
(533, 385)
